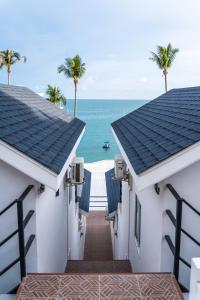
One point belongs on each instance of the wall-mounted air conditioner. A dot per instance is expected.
(109, 218)
(77, 171)
(120, 168)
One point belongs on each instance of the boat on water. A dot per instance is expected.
(106, 145)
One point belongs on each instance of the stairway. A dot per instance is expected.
(107, 266)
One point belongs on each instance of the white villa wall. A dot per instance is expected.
(52, 222)
(75, 239)
(186, 183)
(51, 231)
(120, 241)
(154, 254)
(12, 184)
(147, 258)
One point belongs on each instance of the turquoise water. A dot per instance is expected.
(98, 114)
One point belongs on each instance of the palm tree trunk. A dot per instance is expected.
(165, 75)
(75, 97)
(9, 71)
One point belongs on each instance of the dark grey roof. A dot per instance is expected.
(84, 200)
(160, 128)
(36, 127)
(113, 191)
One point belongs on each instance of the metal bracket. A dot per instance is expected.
(126, 177)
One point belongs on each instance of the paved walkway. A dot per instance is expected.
(98, 194)
(107, 266)
(98, 244)
(98, 256)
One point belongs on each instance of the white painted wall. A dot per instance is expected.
(12, 184)
(147, 258)
(121, 226)
(75, 239)
(195, 280)
(51, 230)
(154, 254)
(54, 219)
(186, 183)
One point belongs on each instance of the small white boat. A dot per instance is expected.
(106, 145)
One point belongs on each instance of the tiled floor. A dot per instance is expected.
(98, 287)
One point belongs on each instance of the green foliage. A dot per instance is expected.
(164, 59)
(164, 56)
(55, 96)
(9, 58)
(73, 68)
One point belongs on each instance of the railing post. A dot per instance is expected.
(179, 203)
(20, 219)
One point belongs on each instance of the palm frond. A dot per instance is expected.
(10, 57)
(164, 56)
(73, 68)
(55, 95)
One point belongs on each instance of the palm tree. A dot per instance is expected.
(164, 59)
(9, 58)
(55, 95)
(75, 69)
(1, 64)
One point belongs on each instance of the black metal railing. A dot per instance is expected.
(177, 222)
(22, 223)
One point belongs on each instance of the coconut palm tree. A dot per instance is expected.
(75, 69)
(55, 96)
(164, 59)
(9, 58)
(1, 65)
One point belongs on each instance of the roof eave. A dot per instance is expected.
(163, 170)
(32, 168)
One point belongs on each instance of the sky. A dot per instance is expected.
(113, 37)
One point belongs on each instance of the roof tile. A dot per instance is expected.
(36, 127)
(160, 128)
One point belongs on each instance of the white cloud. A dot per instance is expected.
(143, 79)
(114, 39)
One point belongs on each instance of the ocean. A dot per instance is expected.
(98, 115)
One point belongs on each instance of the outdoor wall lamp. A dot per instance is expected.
(41, 188)
(157, 188)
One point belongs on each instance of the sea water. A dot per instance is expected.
(98, 115)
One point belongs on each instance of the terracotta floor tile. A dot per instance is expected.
(40, 286)
(74, 287)
(119, 287)
(30, 298)
(158, 287)
(99, 287)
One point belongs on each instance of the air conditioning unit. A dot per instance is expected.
(109, 218)
(120, 167)
(77, 171)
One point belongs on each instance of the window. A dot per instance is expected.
(137, 220)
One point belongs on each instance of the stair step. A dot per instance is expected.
(108, 266)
